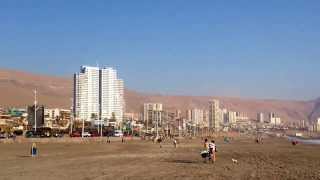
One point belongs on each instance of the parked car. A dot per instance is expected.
(75, 134)
(2, 136)
(45, 134)
(57, 135)
(18, 132)
(118, 133)
(86, 134)
(32, 134)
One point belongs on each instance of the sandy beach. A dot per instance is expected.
(275, 159)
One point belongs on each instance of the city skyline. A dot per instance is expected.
(239, 49)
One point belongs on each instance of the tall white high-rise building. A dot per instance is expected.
(112, 94)
(206, 118)
(86, 93)
(232, 117)
(260, 117)
(195, 116)
(98, 94)
(214, 115)
(152, 112)
(121, 102)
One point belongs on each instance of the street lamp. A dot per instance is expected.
(82, 128)
(101, 134)
(35, 110)
(72, 115)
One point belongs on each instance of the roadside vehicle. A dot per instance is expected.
(45, 134)
(2, 135)
(118, 133)
(33, 134)
(75, 134)
(86, 134)
(57, 135)
(18, 132)
(29, 134)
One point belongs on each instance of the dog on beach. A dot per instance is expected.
(234, 161)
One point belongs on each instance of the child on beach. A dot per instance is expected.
(206, 144)
(34, 150)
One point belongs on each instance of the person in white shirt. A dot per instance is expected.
(212, 151)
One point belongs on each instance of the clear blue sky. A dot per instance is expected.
(260, 49)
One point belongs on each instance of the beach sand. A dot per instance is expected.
(275, 159)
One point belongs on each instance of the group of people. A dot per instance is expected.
(211, 149)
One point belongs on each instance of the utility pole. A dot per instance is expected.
(72, 116)
(98, 125)
(101, 133)
(179, 127)
(157, 118)
(99, 119)
(148, 122)
(35, 110)
(71, 123)
(82, 128)
(194, 129)
(131, 127)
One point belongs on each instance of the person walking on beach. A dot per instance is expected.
(175, 143)
(122, 139)
(34, 150)
(159, 140)
(212, 151)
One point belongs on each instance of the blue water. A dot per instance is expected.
(304, 141)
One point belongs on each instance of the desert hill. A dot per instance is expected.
(16, 90)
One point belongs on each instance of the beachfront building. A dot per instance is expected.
(318, 125)
(260, 117)
(178, 114)
(39, 113)
(274, 120)
(214, 115)
(98, 94)
(242, 116)
(206, 118)
(57, 117)
(195, 116)
(189, 115)
(111, 95)
(224, 116)
(232, 117)
(152, 113)
(86, 93)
